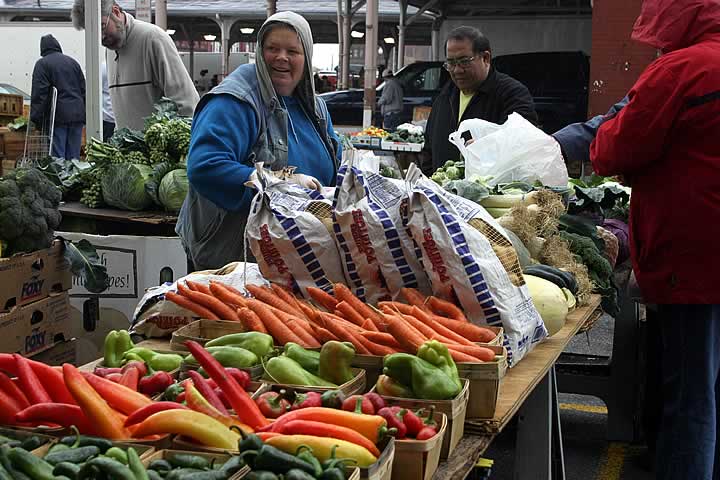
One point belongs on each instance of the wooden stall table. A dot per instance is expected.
(76, 217)
(530, 389)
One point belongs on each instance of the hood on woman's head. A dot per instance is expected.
(670, 25)
(305, 89)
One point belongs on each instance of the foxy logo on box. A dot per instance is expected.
(32, 288)
(35, 341)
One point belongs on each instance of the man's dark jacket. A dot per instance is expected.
(498, 96)
(57, 70)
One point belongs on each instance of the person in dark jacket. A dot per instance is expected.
(664, 142)
(62, 72)
(477, 90)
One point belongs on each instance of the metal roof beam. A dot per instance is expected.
(422, 10)
(355, 8)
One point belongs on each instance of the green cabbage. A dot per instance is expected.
(173, 189)
(123, 186)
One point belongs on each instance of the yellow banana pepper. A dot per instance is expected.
(322, 447)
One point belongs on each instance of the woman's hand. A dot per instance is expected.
(305, 181)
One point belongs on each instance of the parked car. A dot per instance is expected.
(558, 82)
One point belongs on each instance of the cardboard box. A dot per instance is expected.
(64, 352)
(27, 278)
(134, 264)
(36, 327)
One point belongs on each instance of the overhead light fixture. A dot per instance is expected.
(390, 40)
(210, 38)
(356, 34)
(170, 31)
(247, 30)
(380, 51)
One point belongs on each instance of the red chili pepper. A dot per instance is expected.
(241, 376)
(8, 408)
(113, 377)
(207, 391)
(105, 371)
(394, 421)
(130, 378)
(30, 383)
(59, 413)
(426, 433)
(9, 387)
(272, 404)
(244, 406)
(307, 400)
(50, 377)
(181, 397)
(155, 383)
(141, 414)
(140, 366)
(413, 423)
(377, 401)
(223, 398)
(358, 404)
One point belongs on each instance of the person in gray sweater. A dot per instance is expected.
(145, 67)
(391, 101)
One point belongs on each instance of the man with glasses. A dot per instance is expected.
(146, 65)
(477, 90)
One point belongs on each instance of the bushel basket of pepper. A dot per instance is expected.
(419, 459)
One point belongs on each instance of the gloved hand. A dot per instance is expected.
(305, 181)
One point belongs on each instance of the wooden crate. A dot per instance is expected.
(484, 380)
(455, 410)
(203, 331)
(382, 469)
(418, 459)
(11, 105)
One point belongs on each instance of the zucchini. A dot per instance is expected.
(74, 455)
(558, 277)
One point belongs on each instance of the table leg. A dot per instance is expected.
(538, 448)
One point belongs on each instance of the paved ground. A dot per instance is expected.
(588, 456)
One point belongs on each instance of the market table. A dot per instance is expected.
(530, 389)
(109, 221)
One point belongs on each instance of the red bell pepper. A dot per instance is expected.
(207, 391)
(413, 423)
(273, 404)
(57, 413)
(144, 412)
(119, 397)
(426, 433)
(394, 421)
(246, 409)
(307, 400)
(9, 387)
(358, 404)
(107, 421)
(130, 378)
(155, 383)
(29, 381)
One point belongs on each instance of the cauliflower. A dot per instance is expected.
(28, 210)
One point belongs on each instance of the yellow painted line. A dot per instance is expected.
(613, 464)
(584, 408)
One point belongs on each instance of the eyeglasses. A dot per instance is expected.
(452, 64)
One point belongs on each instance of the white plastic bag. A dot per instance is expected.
(378, 255)
(288, 232)
(514, 151)
(470, 261)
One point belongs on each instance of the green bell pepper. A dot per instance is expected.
(230, 356)
(287, 371)
(308, 359)
(426, 380)
(437, 353)
(257, 342)
(116, 344)
(389, 387)
(335, 360)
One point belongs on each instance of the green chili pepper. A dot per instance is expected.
(287, 371)
(117, 454)
(257, 342)
(306, 453)
(308, 359)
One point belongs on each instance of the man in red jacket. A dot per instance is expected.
(666, 144)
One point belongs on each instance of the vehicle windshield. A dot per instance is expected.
(419, 77)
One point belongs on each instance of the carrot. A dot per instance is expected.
(346, 335)
(323, 334)
(308, 340)
(349, 313)
(461, 357)
(222, 310)
(382, 338)
(310, 312)
(411, 327)
(325, 300)
(414, 297)
(272, 323)
(446, 309)
(338, 317)
(369, 325)
(482, 353)
(404, 334)
(199, 310)
(441, 329)
(224, 293)
(343, 293)
(287, 297)
(230, 288)
(472, 332)
(426, 331)
(250, 320)
(375, 348)
(268, 296)
(198, 287)
(396, 307)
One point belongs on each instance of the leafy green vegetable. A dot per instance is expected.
(467, 189)
(173, 189)
(86, 264)
(123, 186)
(19, 124)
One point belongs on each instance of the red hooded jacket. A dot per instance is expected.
(666, 144)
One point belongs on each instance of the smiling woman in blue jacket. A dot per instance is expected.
(266, 112)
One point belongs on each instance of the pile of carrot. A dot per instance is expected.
(390, 328)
